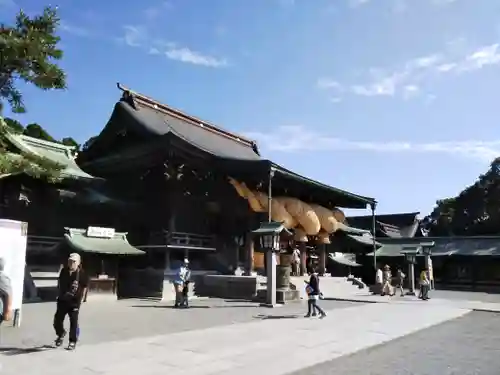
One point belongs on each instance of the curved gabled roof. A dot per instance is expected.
(55, 152)
(147, 119)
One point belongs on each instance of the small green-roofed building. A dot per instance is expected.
(104, 253)
(58, 153)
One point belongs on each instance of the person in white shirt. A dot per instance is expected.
(379, 280)
(296, 262)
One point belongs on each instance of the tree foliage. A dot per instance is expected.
(20, 162)
(36, 131)
(475, 211)
(28, 50)
(68, 141)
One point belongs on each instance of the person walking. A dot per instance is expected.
(400, 278)
(379, 281)
(424, 284)
(313, 293)
(180, 279)
(296, 262)
(72, 287)
(387, 278)
(5, 294)
(185, 289)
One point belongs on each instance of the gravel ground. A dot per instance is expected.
(469, 345)
(121, 320)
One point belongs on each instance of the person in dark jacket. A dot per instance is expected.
(72, 286)
(313, 293)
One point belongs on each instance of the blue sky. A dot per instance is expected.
(394, 99)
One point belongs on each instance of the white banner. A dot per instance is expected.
(13, 242)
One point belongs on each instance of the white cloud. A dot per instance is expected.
(409, 91)
(417, 72)
(299, 138)
(192, 57)
(137, 37)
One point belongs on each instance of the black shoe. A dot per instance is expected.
(313, 315)
(59, 340)
(307, 316)
(72, 346)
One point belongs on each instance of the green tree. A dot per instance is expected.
(475, 211)
(14, 125)
(68, 141)
(36, 131)
(12, 163)
(28, 51)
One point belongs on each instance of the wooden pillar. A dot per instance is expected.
(249, 251)
(303, 258)
(322, 259)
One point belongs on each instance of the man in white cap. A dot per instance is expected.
(72, 285)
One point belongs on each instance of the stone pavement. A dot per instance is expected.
(128, 319)
(469, 345)
(474, 305)
(278, 344)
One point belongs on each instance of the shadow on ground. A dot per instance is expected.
(265, 317)
(17, 351)
(157, 306)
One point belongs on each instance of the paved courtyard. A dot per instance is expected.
(469, 345)
(219, 337)
(128, 319)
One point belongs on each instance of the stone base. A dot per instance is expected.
(270, 305)
(282, 295)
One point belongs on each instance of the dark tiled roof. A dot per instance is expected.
(147, 121)
(398, 220)
(391, 225)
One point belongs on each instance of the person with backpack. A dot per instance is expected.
(400, 276)
(181, 285)
(72, 286)
(313, 294)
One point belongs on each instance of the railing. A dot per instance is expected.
(181, 240)
(42, 243)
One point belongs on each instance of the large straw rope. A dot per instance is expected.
(304, 214)
(244, 192)
(278, 211)
(323, 237)
(237, 186)
(326, 218)
(339, 215)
